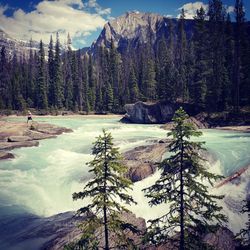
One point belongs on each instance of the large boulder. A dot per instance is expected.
(141, 161)
(157, 112)
(142, 112)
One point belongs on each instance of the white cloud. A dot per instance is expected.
(98, 8)
(168, 16)
(230, 9)
(191, 8)
(49, 17)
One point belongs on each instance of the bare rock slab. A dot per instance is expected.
(141, 161)
(19, 138)
(6, 155)
(12, 145)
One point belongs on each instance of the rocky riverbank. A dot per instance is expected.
(19, 134)
(162, 113)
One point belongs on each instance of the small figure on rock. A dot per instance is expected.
(29, 117)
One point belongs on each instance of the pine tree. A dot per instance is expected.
(18, 102)
(91, 83)
(182, 59)
(79, 81)
(148, 74)
(51, 73)
(99, 100)
(5, 83)
(242, 62)
(244, 234)
(68, 85)
(133, 85)
(218, 78)
(198, 88)
(108, 97)
(161, 65)
(192, 209)
(58, 81)
(31, 78)
(229, 63)
(114, 75)
(104, 211)
(171, 69)
(41, 90)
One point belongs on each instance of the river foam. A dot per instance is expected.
(41, 180)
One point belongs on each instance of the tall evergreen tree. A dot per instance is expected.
(114, 75)
(79, 81)
(31, 77)
(161, 64)
(133, 85)
(104, 212)
(58, 81)
(5, 83)
(15, 83)
(41, 90)
(242, 62)
(51, 73)
(68, 85)
(191, 208)
(227, 94)
(182, 59)
(91, 83)
(218, 78)
(171, 69)
(148, 74)
(198, 88)
(244, 234)
(85, 84)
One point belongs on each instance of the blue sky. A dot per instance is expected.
(83, 19)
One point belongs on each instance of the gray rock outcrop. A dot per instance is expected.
(149, 113)
(141, 161)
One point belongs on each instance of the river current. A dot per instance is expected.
(41, 180)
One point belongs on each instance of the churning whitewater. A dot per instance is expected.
(41, 180)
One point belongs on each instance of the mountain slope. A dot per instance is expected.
(135, 28)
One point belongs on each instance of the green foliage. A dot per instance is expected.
(198, 88)
(57, 80)
(41, 87)
(182, 185)
(108, 187)
(205, 63)
(244, 234)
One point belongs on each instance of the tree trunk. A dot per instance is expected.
(182, 203)
(106, 233)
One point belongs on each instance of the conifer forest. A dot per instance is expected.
(205, 61)
(137, 141)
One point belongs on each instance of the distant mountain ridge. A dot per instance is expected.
(22, 48)
(15, 46)
(134, 28)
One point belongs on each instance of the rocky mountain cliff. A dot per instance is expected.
(18, 47)
(136, 28)
(22, 48)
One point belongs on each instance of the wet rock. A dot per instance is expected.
(34, 135)
(141, 161)
(19, 134)
(142, 112)
(159, 112)
(49, 129)
(223, 239)
(6, 155)
(12, 145)
(19, 138)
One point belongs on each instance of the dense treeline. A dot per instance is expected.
(209, 68)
